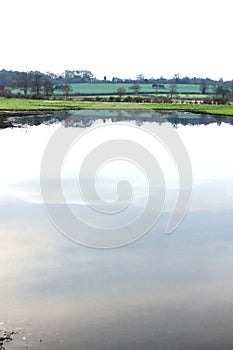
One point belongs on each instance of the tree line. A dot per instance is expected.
(36, 84)
(86, 76)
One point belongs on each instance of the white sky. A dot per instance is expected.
(119, 38)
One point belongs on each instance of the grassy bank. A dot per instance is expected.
(15, 104)
(226, 110)
(50, 105)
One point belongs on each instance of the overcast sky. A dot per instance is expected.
(119, 38)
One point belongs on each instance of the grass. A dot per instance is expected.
(226, 110)
(47, 105)
(26, 104)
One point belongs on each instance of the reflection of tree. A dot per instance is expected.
(174, 118)
(84, 119)
(120, 115)
(5, 123)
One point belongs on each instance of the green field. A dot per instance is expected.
(111, 88)
(49, 105)
(105, 88)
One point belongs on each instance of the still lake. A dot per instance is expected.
(160, 292)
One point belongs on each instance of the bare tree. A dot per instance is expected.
(172, 90)
(2, 88)
(121, 91)
(176, 77)
(203, 86)
(222, 91)
(23, 81)
(66, 90)
(48, 87)
(140, 78)
(135, 87)
(36, 83)
(231, 87)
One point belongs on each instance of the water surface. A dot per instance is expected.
(161, 292)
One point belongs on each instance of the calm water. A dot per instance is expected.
(161, 292)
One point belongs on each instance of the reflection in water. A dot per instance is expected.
(85, 118)
(162, 292)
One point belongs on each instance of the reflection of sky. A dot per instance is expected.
(208, 147)
(163, 291)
